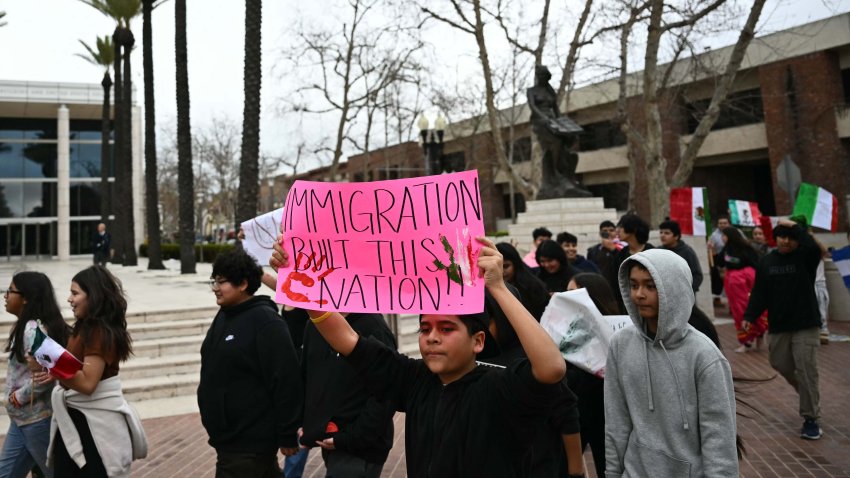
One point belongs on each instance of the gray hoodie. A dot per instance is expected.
(669, 401)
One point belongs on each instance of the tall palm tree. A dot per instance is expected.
(249, 181)
(122, 12)
(185, 176)
(103, 55)
(151, 187)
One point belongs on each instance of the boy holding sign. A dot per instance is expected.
(461, 419)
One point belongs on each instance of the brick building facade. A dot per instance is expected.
(789, 98)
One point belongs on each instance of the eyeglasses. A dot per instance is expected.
(10, 291)
(215, 284)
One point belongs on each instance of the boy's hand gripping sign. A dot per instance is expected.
(403, 246)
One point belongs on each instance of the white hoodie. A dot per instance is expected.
(669, 400)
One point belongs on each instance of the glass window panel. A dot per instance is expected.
(86, 129)
(40, 199)
(81, 234)
(11, 134)
(11, 200)
(85, 160)
(11, 160)
(85, 199)
(40, 160)
(28, 128)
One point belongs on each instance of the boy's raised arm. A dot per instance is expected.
(547, 364)
(334, 328)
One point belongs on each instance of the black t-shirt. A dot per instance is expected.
(477, 426)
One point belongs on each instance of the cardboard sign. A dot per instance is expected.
(401, 246)
(261, 234)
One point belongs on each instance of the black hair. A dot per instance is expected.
(541, 232)
(738, 245)
(673, 226)
(107, 311)
(632, 264)
(606, 223)
(236, 266)
(599, 291)
(530, 287)
(722, 216)
(567, 237)
(794, 232)
(41, 305)
(552, 250)
(700, 321)
(634, 224)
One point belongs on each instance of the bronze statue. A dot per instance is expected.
(556, 134)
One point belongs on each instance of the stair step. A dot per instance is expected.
(133, 320)
(140, 389)
(190, 344)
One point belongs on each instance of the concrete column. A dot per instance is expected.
(63, 190)
(138, 178)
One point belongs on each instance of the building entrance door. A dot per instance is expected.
(30, 239)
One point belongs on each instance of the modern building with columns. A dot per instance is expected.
(50, 168)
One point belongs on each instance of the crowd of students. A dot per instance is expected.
(492, 394)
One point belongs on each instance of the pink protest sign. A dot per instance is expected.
(402, 246)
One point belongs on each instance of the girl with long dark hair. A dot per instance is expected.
(737, 261)
(517, 273)
(555, 270)
(97, 432)
(30, 298)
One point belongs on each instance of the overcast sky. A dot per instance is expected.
(40, 40)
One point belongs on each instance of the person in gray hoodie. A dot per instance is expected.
(669, 398)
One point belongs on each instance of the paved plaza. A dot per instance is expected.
(769, 428)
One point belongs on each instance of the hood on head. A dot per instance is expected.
(673, 281)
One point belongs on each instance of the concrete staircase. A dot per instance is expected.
(166, 358)
(163, 372)
(578, 216)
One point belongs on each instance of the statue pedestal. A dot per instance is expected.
(578, 216)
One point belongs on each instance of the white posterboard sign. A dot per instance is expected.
(261, 234)
(581, 332)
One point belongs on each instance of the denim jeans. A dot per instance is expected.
(293, 466)
(25, 446)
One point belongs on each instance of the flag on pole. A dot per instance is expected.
(841, 258)
(744, 213)
(818, 205)
(689, 207)
(59, 362)
(768, 224)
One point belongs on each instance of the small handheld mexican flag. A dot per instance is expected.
(744, 213)
(59, 362)
(818, 205)
(689, 207)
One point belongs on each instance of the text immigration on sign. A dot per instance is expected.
(400, 246)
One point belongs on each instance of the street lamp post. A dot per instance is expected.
(432, 143)
(271, 193)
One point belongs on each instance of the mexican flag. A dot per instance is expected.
(689, 207)
(52, 356)
(768, 223)
(841, 258)
(818, 205)
(744, 213)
